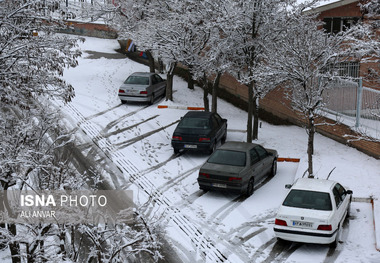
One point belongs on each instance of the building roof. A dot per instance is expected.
(328, 4)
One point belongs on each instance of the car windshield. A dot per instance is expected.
(197, 123)
(228, 157)
(138, 80)
(309, 200)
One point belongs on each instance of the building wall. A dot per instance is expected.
(89, 29)
(350, 10)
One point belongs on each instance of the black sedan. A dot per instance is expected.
(200, 131)
(237, 167)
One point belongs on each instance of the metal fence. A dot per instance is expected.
(355, 105)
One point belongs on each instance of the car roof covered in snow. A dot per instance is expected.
(314, 184)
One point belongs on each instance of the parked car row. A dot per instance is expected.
(313, 210)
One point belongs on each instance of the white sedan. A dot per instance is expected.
(313, 212)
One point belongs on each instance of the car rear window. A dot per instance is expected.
(194, 123)
(138, 80)
(227, 157)
(309, 200)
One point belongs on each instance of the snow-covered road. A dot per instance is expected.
(212, 226)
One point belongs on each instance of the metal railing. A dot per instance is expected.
(355, 105)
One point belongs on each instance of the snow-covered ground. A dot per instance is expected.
(212, 226)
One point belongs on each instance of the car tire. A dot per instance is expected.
(348, 209)
(176, 150)
(123, 102)
(213, 148)
(151, 101)
(334, 244)
(224, 138)
(273, 171)
(250, 187)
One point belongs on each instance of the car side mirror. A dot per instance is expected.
(349, 192)
(288, 186)
(224, 120)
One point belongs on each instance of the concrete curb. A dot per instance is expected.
(375, 214)
(179, 107)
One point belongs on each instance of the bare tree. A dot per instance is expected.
(307, 59)
(256, 26)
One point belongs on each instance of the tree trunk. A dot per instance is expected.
(215, 87)
(151, 61)
(169, 81)
(310, 145)
(190, 80)
(205, 93)
(250, 112)
(255, 132)
(14, 246)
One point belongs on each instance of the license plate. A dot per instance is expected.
(302, 224)
(190, 146)
(220, 185)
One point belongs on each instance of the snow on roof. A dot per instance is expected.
(328, 4)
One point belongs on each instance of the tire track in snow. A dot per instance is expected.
(205, 246)
(129, 142)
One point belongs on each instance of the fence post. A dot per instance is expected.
(359, 102)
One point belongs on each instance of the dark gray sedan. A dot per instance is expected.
(237, 167)
(142, 87)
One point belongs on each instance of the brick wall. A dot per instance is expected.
(89, 29)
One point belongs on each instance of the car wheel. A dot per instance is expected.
(123, 102)
(334, 244)
(151, 101)
(213, 148)
(274, 168)
(348, 209)
(224, 138)
(176, 150)
(250, 187)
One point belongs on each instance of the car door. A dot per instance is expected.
(216, 126)
(340, 202)
(255, 165)
(159, 85)
(222, 126)
(265, 160)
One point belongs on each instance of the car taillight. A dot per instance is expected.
(143, 92)
(325, 227)
(205, 175)
(177, 138)
(121, 91)
(202, 139)
(280, 222)
(234, 178)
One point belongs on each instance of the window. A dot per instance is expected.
(228, 157)
(342, 192)
(215, 123)
(157, 79)
(194, 123)
(261, 151)
(337, 24)
(254, 156)
(337, 197)
(308, 200)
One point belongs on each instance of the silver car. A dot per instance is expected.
(237, 167)
(142, 87)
